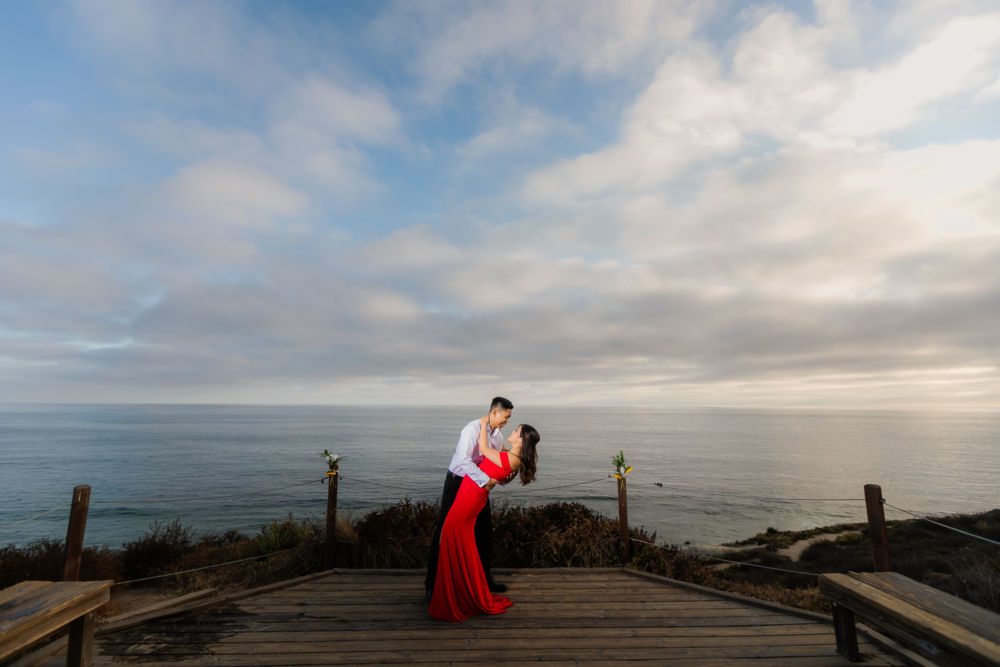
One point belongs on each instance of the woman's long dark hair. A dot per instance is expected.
(529, 456)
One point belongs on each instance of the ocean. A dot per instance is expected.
(700, 476)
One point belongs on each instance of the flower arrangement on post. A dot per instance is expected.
(333, 461)
(621, 469)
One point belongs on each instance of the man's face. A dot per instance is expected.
(499, 418)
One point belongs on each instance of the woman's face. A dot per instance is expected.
(515, 437)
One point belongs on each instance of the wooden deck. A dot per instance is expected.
(560, 616)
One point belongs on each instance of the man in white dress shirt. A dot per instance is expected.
(465, 462)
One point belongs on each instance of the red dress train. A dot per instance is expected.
(460, 588)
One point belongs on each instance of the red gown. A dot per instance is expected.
(460, 588)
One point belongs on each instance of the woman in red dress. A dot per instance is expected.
(460, 589)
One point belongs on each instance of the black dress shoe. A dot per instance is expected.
(497, 587)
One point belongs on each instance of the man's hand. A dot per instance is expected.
(510, 478)
(490, 484)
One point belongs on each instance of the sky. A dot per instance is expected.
(566, 202)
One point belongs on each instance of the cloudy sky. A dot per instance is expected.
(640, 202)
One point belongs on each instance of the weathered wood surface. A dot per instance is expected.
(32, 610)
(983, 622)
(562, 617)
(944, 628)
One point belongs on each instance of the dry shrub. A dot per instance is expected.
(44, 560)
(156, 551)
(670, 561)
(554, 535)
(808, 598)
(397, 536)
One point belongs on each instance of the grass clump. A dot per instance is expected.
(288, 533)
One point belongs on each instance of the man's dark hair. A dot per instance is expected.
(501, 402)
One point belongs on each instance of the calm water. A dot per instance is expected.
(725, 474)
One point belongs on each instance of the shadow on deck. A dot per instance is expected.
(560, 616)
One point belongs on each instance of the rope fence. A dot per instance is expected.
(136, 501)
(32, 518)
(873, 499)
(938, 523)
(210, 567)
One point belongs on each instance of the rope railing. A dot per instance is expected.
(32, 518)
(942, 525)
(872, 498)
(209, 567)
(140, 501)
(566, 486)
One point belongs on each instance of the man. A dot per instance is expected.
(464, 463)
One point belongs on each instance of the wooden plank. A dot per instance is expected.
(162, 604)
(285, 633)
(377, 655)
(927, 632)
(48, 609)
(468, 659)
(154, 611)
(337, 606)
(534, 641)
(53, 600)
(54, 595)
(981, 621)
(424, 620)
(573, 597)
(726, 595)
(18, 590)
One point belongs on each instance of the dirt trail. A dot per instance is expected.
(796, 549)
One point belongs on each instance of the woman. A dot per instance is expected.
(460, 588)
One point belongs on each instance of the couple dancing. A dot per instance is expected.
(459, 580)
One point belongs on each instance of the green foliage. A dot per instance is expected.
(850, 538)
(287, 533)
(621, 468)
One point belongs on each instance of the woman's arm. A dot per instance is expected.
(490, 453)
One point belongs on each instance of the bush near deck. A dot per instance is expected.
(554, 535)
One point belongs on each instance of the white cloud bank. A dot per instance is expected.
(779, 215)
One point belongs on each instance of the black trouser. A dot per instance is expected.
(484, 531)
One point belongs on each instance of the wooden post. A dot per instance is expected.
(74, 533)
(876, 527)
(623, 520)
(80, 648)
(330, 548)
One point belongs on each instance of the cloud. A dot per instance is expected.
(216, 192)
(520, 129)
(363, 116)
(745, 230)
(454, 43)
(780, 85)
(962, 58)
(172, 52)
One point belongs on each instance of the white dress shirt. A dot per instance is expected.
(465, 461)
